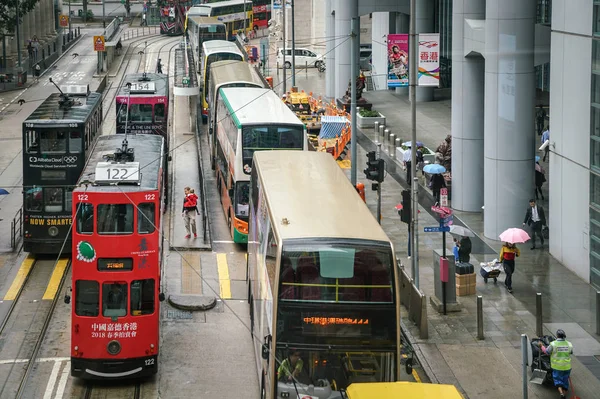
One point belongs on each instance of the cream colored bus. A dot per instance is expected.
(322, 280)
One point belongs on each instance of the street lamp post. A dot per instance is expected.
(103, 15)
(18, 37)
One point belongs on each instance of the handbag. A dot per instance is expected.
(546, 232)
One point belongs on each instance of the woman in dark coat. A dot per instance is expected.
(437, 183)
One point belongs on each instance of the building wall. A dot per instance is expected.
(569, 176)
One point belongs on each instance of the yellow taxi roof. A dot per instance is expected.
(402, 389)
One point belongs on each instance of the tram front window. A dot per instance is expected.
(114, 299)
(34, 199)
(140, 113)
(115, 219)
(53, 141)
(330, 371)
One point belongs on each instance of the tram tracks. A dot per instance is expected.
(26, 323)
(118, 391)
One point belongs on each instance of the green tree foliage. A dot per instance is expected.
(8, 8)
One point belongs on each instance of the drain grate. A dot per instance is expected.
(179, 315)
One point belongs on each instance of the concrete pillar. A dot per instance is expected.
(467, 112)
(402, 26)
(509, 108)
(38, 30)
(28, 23)
(329, 49)
(50, 31)
(425, 13)
(380, 28)
(343, 15)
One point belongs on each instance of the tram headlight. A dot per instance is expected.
(113, 347)
(53, 231)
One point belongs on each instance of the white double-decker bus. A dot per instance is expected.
(323, 281)
(249, 120)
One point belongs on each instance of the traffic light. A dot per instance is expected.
(375, 167)
(405, 212)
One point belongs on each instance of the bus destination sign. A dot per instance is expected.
(331, 321)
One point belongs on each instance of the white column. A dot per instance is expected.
(425, 13)
(329, 49)
(509, 108)
(467, 112)
(380, 28)
(342, 42)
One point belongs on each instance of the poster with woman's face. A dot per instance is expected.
(397, 60)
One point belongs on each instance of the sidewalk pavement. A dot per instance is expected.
(184, 166)
(452, 354)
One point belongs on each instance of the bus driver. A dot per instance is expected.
(292, 362)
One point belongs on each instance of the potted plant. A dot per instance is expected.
(367, 118)
(428, 153)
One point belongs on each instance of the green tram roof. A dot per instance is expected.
(148, 151)
(310, 192)
(161, 83)
(51, 112)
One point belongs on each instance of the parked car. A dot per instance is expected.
(365, 57)
(304, 57)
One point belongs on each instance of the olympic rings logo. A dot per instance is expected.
(70, 159)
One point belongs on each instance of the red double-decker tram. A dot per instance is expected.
(261, 10)
(117, 246)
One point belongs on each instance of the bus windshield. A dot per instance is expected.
(258, 138)
(336, 272)
(329, 371)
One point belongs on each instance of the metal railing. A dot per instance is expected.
(16, 229)
(415, 302)
(139, 32)
(111, 29)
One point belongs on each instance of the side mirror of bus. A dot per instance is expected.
(231, 193)
(169, 158)
(161, 296)
(67, 299)
(265, 351)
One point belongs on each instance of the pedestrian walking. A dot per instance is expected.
(189, 211)
(408, 163)
(159, 66)
(535, 218)
(144, 23)
(540, 119)
(560, 352)
(508, 253)
(37, 70)
(540, 179)
(437, 183)
(420, 160)
(546, 136)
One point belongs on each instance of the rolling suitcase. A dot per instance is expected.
(464, 268)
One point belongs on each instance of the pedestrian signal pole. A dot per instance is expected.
(376, 171)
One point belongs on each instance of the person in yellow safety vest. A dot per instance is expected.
(560, 352)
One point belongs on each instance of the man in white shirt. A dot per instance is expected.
(535, 218)
(408, 163)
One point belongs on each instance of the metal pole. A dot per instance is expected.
(103, 15)
(4, 52)
(353, 139)
(377, 156)
(70, 19)
(416, 231)
(597, 309)
(538, 315)
(284, 49)
(18, 37)
(412, 77)
(480, 317)
(524, 363)
(245, 18)
(293, 48)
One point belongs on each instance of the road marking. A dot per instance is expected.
(20, 278)
(191, 281)
(40, 360)
(57, 274)
(60, 391)
(224, 282)
(52, 380)
(223, 242)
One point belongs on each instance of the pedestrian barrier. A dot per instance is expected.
(480, 317)
(16, 229)
(138, 32)
(415, 302)
(539, 327)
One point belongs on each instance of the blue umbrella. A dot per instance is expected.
(409, 144)
(3, 191)
(537, 158)
(434, 169)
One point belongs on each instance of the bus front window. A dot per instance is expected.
(259, 138)
(242, 199)
(330, 371)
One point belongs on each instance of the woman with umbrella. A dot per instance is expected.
(509, 252)
(464, 245)
(437, 181)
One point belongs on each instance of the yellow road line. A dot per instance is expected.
(57, 274)
(224, 282)
(19, 280)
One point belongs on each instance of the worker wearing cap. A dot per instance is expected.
(560, 352)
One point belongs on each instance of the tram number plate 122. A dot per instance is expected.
(111, 172)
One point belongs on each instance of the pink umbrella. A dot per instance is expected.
(514, 235)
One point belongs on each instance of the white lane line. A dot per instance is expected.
(60, 391)
(52, 380)
(40, 360)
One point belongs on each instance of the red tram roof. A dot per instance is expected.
(148, 151)
(161, 84)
